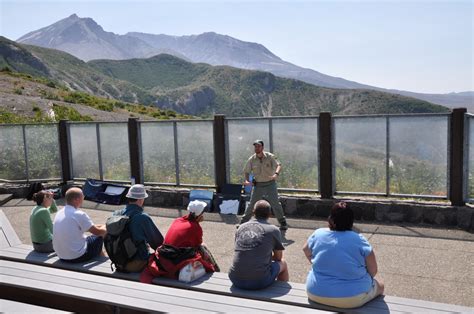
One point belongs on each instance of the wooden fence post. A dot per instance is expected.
(456, 167)
(326, 180)
(135, 150)
(64, 142)
(219, 152)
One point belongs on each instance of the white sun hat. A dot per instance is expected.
(137, 191)
(196, 207)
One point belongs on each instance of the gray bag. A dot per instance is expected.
(118, 242)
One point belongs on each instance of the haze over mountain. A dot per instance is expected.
(85, 39)
(169, 82)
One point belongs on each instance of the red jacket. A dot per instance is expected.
(182, 233)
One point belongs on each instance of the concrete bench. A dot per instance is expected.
(81, 292)
(280, 293)
(5, 198)
(8, 236)
(42, 279)
(7, 306)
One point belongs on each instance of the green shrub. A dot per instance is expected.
(105, 107)
(79, 98)
(51, 84)
(51, 96)
(39, 115)
(68, 113)
(48, 95)
(170, 113)
(8, 117)
(119, 104)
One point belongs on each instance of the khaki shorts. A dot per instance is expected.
(349, 302)
(136, 266)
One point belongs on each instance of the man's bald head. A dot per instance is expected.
(74, 197)
(262, 209)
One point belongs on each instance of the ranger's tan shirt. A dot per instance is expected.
(262, 169)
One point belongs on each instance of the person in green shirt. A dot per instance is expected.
(41, 225)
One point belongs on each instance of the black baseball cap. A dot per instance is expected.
(258, 142)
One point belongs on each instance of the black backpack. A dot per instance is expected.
(118, 242)
(33, 188)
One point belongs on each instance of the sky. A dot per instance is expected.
(421, 46)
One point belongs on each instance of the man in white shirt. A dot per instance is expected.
(70, 224)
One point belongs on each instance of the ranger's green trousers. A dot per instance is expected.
(265, 191)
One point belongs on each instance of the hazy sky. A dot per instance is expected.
(422, 46)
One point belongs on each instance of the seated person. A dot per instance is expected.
(182, 245)
(41, 225)
(142, 228)
(343, 263)
(258, 254)
(70, 224)
(186, 231)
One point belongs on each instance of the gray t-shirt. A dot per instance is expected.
(254, 243)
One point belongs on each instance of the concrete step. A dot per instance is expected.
(18, 307)
(4, 198)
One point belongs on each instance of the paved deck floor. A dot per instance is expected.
(414, 262)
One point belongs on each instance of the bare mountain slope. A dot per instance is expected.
(85, 39)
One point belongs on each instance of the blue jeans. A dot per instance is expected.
(260, 283)
(94, 248)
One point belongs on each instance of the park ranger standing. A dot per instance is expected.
(265, 169)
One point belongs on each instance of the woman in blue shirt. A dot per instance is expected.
(343, 263)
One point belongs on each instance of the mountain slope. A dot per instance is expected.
(203, 89)
(200, 89)
(451, 100)
(12, 55)
(36, 80)
(161, 70)
(217, 49)
(85, 39)
(24, 98)
(68, 70)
